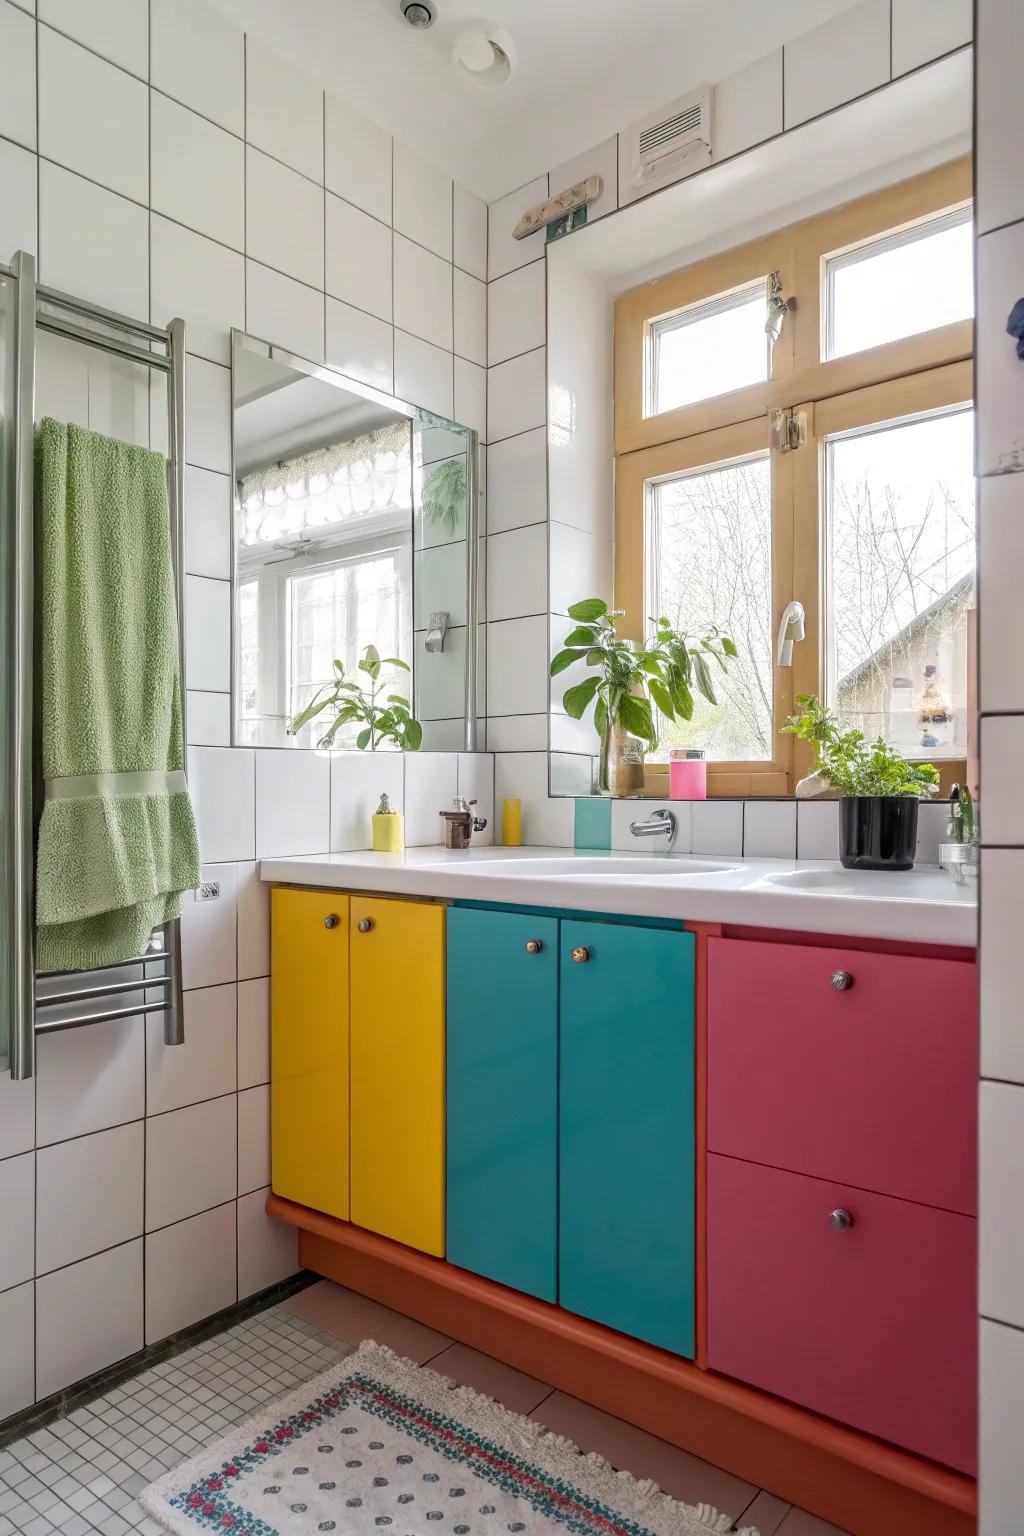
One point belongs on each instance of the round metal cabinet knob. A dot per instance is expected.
(581, 954)
(332, 921)
(840, 1220)
(840, 981)
(534, 946)
(365, 924)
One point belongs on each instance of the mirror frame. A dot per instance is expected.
(242, 341)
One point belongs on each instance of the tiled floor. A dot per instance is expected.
(84, 1473)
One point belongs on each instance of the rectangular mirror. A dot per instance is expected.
(355, 527)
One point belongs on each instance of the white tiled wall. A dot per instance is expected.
(183, 170)
(1000, 404)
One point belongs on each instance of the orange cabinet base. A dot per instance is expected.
(859, 1483)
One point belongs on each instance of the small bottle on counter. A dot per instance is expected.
(687, 774)
(388, 828)
(512, 823)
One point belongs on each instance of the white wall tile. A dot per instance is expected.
(746, 107)
(581, 566)
(358, 156)
(93, 118)
(517, 733)
(517, 572)
(517, 682)
(198, 57)
(1001, 1470)
(716, 827)
(17, 1349)
(476, 782)
(471, 398)
(208, 929)
(212, 203)
(118, 30)
(999, 114)
(517, 481)
(516, 396)
(284, 219)
(190, 1271)
(999, 372)
(95, 244)
(207, 634)
(358, 258)
(190, 1160)
(580, 438)
(1001, 1235)
(284, 312)
(293, 803)
(199, 281)
(17, 1201)
(1002, 814)
(441, 688)
(208, 719)
(119, 400)
(817, 829)
(1000, 550)
(253, 1139)
(284, 110)
(253, 1032)
(504, 253)
(431, 784)
(516, 317)
(423, 202)
(470, 303)
(88, 1316)
(838, 61)
(207, 415)
(926, 29)
(423, 293)
(547, 823)
(89, 1195)
(1002, 964)
(268, 1250)
(358, 779)
(17, 76)
(602, 160)
(88, 1079)
(470, 233)
(442, 735)
(207, 523)
(424, 374)
(253, 923)
(18, 205)
(626, 811)
(769, 829)
(205, 1066)
(17, 1115)
(223, 787)
(360, 346)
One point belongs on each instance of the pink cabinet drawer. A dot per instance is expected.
(873, 1085)
(874, 1325)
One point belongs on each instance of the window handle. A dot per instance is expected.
(791, 628)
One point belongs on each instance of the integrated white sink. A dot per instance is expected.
(894, 885)
(654, 867)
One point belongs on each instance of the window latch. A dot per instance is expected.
(778, 307)
(787, 429)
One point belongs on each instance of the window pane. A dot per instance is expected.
(708, 350)
(901, 285)
(900, 581)
(709, 564)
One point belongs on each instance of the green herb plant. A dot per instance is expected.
(663, 671)
(850, 763)
(387, 719)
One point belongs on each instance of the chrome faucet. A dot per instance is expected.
(660, 823)
(460, 823)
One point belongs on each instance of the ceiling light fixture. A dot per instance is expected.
(418, 13)
(484, 53)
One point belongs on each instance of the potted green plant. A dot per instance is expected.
(880, 791)
(631, 679)
(387, 719)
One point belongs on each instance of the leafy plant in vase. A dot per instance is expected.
(382, 719)
(879, 790)
(632, 679)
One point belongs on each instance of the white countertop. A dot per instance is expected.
(922, 905)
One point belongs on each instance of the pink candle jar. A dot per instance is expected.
(687, 774)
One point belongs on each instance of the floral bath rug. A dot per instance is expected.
(383, 1447)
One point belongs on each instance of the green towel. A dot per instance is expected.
(117, 839)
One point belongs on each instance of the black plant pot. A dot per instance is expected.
(878, 831)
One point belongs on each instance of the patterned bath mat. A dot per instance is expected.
(376, 1444)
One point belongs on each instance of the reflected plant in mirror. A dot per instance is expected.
(635, 684)
(379, 722)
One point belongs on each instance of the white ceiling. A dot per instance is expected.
(586, 68)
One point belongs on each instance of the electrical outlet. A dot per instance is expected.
(208, 891)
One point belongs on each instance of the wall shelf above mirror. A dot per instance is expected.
(356, 533)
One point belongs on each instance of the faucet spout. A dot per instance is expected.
(660, 823)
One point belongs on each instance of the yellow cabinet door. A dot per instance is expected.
(309, 1048)
(397, 1000)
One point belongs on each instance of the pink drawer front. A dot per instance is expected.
(874, 1085)
(874, 1325)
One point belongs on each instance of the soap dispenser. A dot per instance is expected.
(388, 830)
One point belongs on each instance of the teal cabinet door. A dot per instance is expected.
(502, 1068)
(626, 1096)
